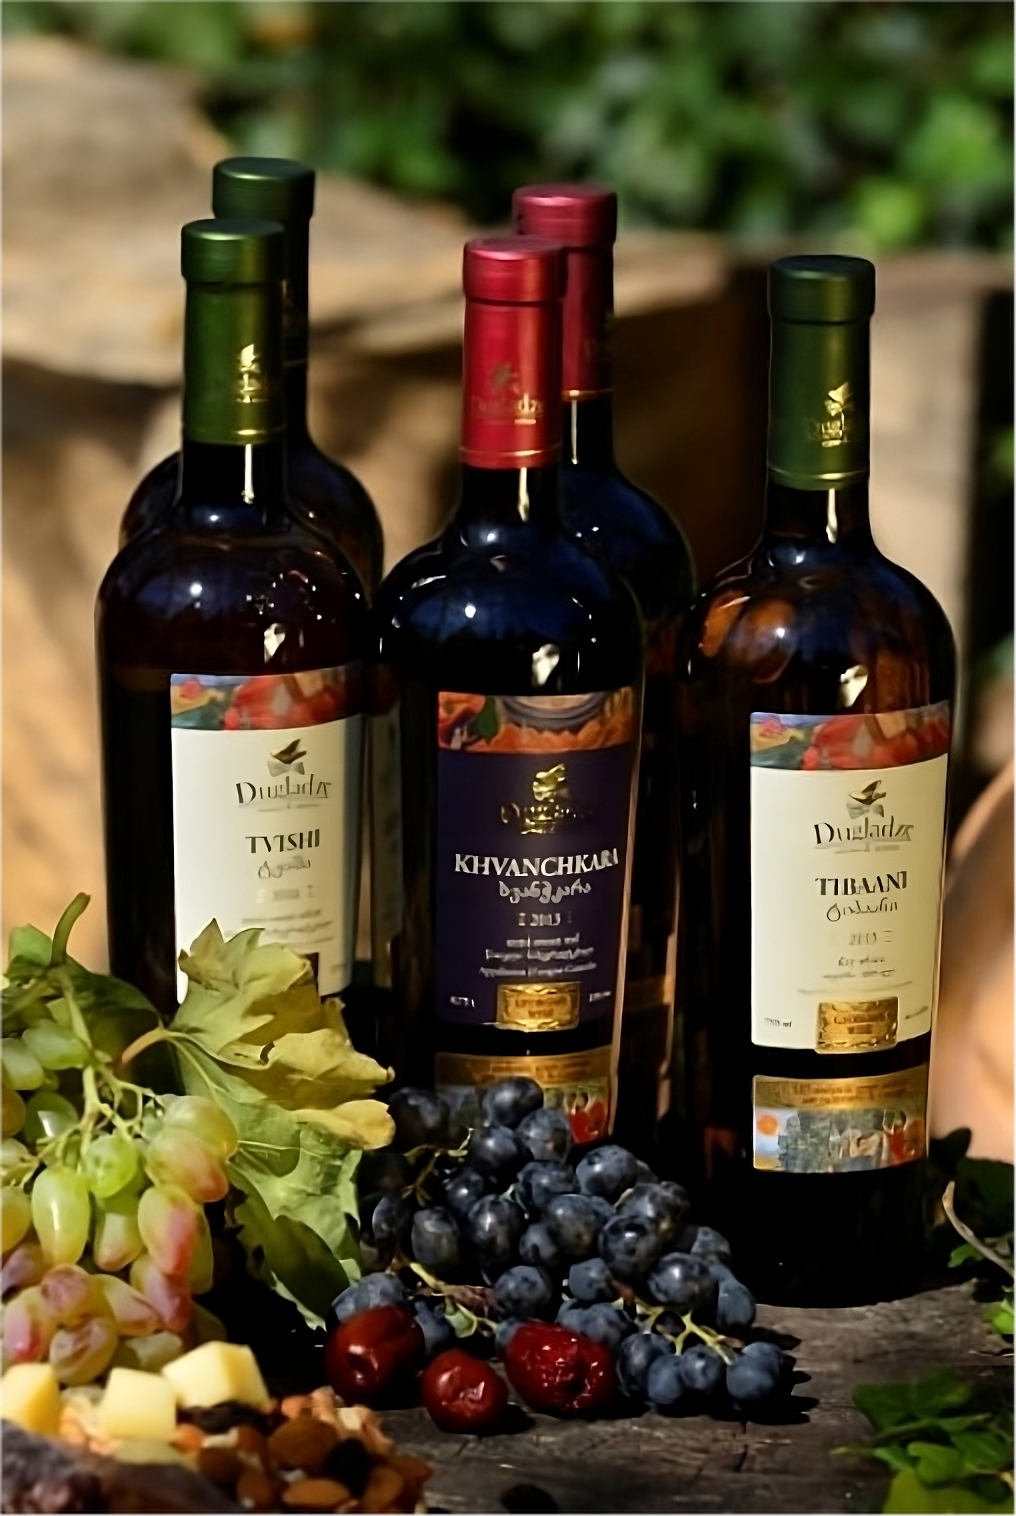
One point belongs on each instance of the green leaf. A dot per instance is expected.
(908, 1493)
(999, 1316)
(254, 1035)
(32, 947)
(934, 1463)
(898, 1405)
(984, 1452)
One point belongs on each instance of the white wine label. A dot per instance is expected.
(266, 810)
(839, 1126)
(847, 846)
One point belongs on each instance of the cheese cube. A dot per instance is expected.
(30, 1396)
(137, 1404)
(218, 1371)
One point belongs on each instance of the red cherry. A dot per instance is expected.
(462, 1393)
(559, 1371)
(367, 1356)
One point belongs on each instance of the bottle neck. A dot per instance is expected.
(819, 387)
(232, 487)
(511, 388)
(497, 506)
(232, 364)
(813, 517)
(588, 433)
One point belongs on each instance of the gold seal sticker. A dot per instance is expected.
(538, 1007)
(839, 1126)
(857, 1026)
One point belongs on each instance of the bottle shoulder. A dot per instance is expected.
(795, 615)
(447, 598)
(623, 525)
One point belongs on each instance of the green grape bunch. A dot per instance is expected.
(104, 1182)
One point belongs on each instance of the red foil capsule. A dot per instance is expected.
(511, 388)
(583, 218)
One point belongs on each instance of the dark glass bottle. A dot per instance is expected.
(230, 648)
(632, 533)
(815, 714)
(509, 683)
(328, 495)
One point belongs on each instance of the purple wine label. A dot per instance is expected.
(534, 825)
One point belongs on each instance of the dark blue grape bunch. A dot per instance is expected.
(480, 1230)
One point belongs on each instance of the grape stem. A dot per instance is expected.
(724, 1347)
(949, 1206)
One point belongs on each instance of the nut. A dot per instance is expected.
(303, 1443)
(384, 1487)
(220, 1465)
(255, 1490)
(188, 1438)
(315, 1494)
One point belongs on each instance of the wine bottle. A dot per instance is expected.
(328, 495)
(510, 683)
(629, 530)
(818, 681)
(230, 647)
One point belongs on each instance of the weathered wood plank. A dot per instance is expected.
(651, 1463)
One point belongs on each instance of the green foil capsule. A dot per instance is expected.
(820, 308)
(233, 331)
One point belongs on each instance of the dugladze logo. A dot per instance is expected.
(863, 807)
(286, 762)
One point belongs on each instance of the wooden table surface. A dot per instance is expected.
(652, 1463)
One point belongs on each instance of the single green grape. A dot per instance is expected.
(204, 1120)
(12, 1112)
(22, 1070)
(15, 1215)
(28, 1327)
(134, 1315)
(109, 1163)
(168, 1222)
(16, 1162)
(48, 1115)
(55, 1047)
(61, 1213)
(117, 1240)
(73, 1295)
(79, 1354)
(176, 1157)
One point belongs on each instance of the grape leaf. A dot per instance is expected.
(897, 1405)
(254, 1035)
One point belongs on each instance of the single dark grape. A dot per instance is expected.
(435, 1241)
(384, 1169)
(757, 1376)
(538, 1183)
(666, 1205)
(495, 1150)
(603, 1323)
(607, 1171)
(574, 1222)
(720, 1271)
(421, 1119)
(644, 1174)
(508, 1101)
(547, 1135)
(735, 1308)
(665, 1386)
(702, 1370)
(525, 1291)
(683, 1281)
(465, 1189)
(634, 1357)
(537, 1246)
(438, 1332)
(704, 1242)
(390, 1221)
(591, 1282)
(374, 1290)
(629, 1246)
(493, 1228)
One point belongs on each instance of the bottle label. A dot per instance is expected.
(533, 846)
(511, 383)
(579, 1084)
(839, 1126)
(847, 849)
(266, 810)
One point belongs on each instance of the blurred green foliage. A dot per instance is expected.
(882, 123)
